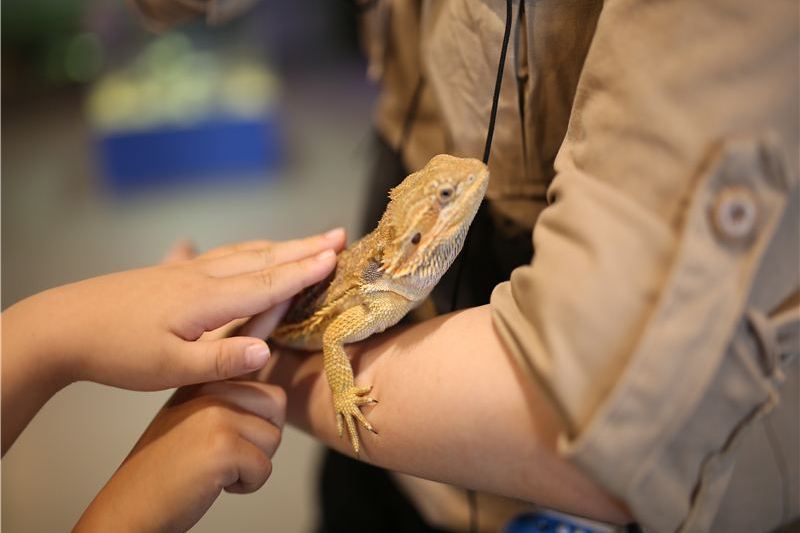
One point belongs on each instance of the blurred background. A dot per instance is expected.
(118, 142)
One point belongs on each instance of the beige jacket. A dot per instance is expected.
(662, 309)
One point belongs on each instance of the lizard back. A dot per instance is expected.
(416, 241)
(318, 304)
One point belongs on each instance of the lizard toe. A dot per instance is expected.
(347, 404)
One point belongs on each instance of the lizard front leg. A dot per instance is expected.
(375, 314)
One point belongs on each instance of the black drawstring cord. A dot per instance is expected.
(522, 80)
(497, 84)
(472, 498)
(488, 148)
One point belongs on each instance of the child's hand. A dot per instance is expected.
(139, 329)
(206, 438)
(142, 329)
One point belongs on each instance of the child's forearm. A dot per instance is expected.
(32, 372)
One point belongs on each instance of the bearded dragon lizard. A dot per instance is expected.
(383, 276)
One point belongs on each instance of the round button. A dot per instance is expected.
(735, 213)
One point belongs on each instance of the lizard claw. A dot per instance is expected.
(339, 424)
(347, 404)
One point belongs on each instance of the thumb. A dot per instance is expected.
(180, 251)
(214, 360)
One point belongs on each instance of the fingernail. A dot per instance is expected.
(334, 234)
(255, 356)
(324, 256)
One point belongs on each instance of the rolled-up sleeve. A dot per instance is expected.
(653, 311)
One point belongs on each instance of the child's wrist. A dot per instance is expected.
(43, 340)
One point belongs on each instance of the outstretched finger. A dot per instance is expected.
(228, 249)
(253, 293)
(259, 258)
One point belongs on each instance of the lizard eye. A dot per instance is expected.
(445, 193)
(416, 238)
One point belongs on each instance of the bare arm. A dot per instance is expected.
(141, 329)
(453, 408)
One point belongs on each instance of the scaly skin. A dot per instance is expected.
(383, 276)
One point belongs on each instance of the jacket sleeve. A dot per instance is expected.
(654, 313)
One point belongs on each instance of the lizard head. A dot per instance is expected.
(428, 216)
